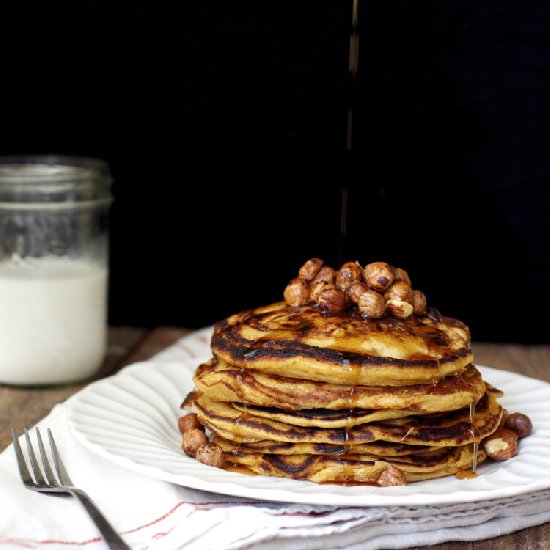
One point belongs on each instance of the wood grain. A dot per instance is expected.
(24, 406)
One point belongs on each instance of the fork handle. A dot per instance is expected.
(112, 538)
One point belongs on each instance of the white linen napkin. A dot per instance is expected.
(156, 515)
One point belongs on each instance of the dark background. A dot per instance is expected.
(224, 124)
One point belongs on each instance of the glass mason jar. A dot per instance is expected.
(53, 268)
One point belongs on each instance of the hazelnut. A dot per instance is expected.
(348, 274)
(332, 300)
(310, 269)
(356, 289)
(502, 444)
(418, 302)
(399, 291)
(399, 308)
(326, 274)
(188, 422)
(296, 293)
(391, 476)
(319, 287)
(519, 423)
(371, 304)
(379, 275)
(211, 454)
(402, 275)
(192, 440)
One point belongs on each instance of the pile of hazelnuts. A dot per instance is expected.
(374, 290)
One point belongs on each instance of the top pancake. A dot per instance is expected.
(343, 348)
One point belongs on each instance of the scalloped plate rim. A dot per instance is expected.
(275, 489)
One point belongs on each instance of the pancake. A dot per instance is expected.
(322, 418)
(379, 448)
(224, 382)
(351, 380)
(438, 429)
(343, 348)
(360, 469)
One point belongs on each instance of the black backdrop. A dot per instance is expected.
(225, 127)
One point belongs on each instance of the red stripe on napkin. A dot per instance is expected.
(32, 543)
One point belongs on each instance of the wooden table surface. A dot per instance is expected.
(23, 407)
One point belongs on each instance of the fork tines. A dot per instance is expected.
(44, 479)
(39, 476)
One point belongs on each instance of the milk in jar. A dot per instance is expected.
(52, 320)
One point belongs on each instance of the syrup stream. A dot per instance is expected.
(353, 65)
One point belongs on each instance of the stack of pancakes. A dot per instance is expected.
(338, 397)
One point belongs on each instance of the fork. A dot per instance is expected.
(47, 482)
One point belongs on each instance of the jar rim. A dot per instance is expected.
(26, 179)
(55, 168)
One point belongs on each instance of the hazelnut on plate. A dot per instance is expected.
(211, 454)
(391, 476)
(502, 444)
(188, 422)
(192, 440)
(519, 423)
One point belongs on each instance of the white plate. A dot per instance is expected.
(131, 419)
